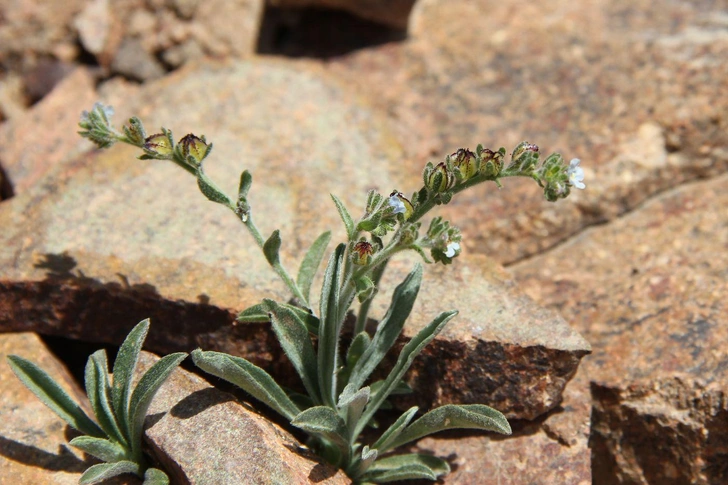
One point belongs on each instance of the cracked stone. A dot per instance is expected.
(107, 240)
(203, 435)
(537, 73)
(648, 291)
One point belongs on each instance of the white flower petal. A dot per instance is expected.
(397, 204)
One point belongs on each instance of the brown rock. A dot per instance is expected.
(203, 435)
(33, 439)
(134, 62)
(648, 290)
(601, 82)
(115, 241)
(394, 13)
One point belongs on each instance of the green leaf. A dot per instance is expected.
(323, 421)
(348, 221)
(124, 365)
(250, 378)
(454, 416)
(210, 190)
(98, 390)
(311, 262)
(104, 471)
(384, 443)
(246, 181)
(145, 390)
(406, 467)
(155, 476)
(293, 336)
(103, 449)
(53, 396)
(328, 345)
(258, 313)
(404, 361)
(389, 328)
(353, 401)
(271, 248)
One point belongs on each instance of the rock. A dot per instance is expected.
(116, 240)
(41, 80)
(33, 439)
(93, 24)
(13, 101)
(394, 13)
(134, 62)
(203, 435)
(474, 73)
(648, 291)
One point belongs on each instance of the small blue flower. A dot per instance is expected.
(453, 248)
(575, 174)
(397, 204)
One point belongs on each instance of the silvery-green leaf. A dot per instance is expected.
(368, 456)
(311, 262)
(345, 216)
(454, 416)
(271, 247)
(210, 189)
(254, 314)
(294, 339)
(250, 378)
(384, 443)
(53, 396)
(103, 449)
(360, 343)
(389, 328)
(258, 313)
(246, 181)
(145, 390)
(98, 392)
(104, 471)
(404, 361)
(328, 345)
(406, 467)
(324, 422)
(155, 476)
(353, 401)
(124, 365)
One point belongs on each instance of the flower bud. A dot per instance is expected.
(158, 144)
(524, 157)
(465, 161)
(361, 253)
(491, 163)
(440, 179)
(401, 204)
(194, 147)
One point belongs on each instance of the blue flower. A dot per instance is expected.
(575, 174)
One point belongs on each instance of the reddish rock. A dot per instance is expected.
(33, 439)
(648, 291)
(117, 240)
(203, 435)
(394, 13)
(634, 89)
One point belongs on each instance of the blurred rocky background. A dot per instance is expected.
(598, 324)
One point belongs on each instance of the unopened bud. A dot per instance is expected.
(440, 179)
(158, 144)
(195, 147)
(362, 252)
(491, 163)
(465, 161)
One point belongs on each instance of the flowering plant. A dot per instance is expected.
(341, 400)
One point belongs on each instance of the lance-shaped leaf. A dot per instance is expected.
(271, 248)
(353, 401)
(259, 313)
(145, 390)
(53, 396)
(104, 471)
(406, 467)
(155, 476)
(454, 416)
(124, 365)
(250, 378)
(389, 328)
(98, 392)
(103, 449)
(328, 346)
(345, 216)
(326, 423)
(404, 361)
(246, 181)
(293, 336)
(210, 189)
(311, 262)
(384, 443)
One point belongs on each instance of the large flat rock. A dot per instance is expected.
(648, 291)
(634, 89)
(106, 240)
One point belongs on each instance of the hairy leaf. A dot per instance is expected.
(384, 443)
(98, 390)
(330, 327)
(124, 365)
(345, 216)
(272, 247)
(53, 396)
(155, 476)
(324, 422)
(250, 378)
(104, 471)
(246, 181)
(103, 449)
(311, 262)
(210, 189)
(259, 313)
(407, 467)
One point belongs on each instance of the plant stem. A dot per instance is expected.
(361, 318)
